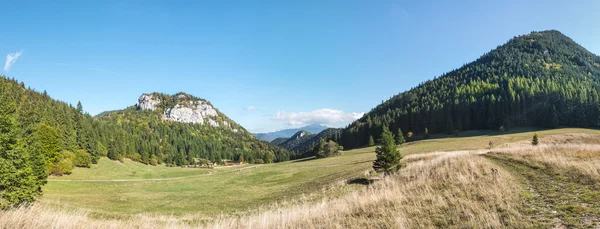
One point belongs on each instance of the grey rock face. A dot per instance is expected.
(196, 113)
(188, 111)
(148, 102)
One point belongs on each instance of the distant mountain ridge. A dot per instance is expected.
(287, 133)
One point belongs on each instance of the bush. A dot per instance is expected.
(82, 159)
(64, 166)
(328, 149)
(259, 161)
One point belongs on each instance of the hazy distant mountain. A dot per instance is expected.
(287, 133)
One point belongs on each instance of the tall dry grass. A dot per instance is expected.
(581, 157)
(446, 190)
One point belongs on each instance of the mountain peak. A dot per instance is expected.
(183, 107)
(300, 134)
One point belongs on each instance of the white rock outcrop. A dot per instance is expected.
(187, 111)
(195, 113)
(148, 102)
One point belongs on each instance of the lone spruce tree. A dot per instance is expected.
(535, 141)
(388, 156)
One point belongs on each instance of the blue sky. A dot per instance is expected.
(268, 65)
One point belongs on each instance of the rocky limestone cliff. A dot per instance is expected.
(148, 102)
(187, 110)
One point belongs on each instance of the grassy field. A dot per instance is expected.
(111, 187)
(446, 182)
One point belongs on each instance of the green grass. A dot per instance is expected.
(193, 191)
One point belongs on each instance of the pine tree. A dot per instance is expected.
(535, 141)
(388, 156)
(371, 141)
(400, 137)
(18, 182)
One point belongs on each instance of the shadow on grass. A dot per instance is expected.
(362, 180)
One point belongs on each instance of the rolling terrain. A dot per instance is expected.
(444, 182)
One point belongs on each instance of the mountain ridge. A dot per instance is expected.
(542, 79)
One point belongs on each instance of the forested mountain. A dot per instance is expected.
(302, 144)
(541, 79)
(287, 133)
(296, 139)
(306, 149)
(181, 128)
(278, 141)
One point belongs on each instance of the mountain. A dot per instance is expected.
(302, 143)
(541, 79)
(296, 139)
(314, 128)
(181, 128)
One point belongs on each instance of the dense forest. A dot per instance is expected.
(541, 79)
(153, 140)
(40, 136)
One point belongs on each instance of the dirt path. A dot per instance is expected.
(161, 179)
(551, 199)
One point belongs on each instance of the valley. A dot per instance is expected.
(335, 188)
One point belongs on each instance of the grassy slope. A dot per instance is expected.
(228, 190)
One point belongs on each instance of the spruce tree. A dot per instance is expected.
(388, 156)
(400, 137)
(426, 133)
(18, 182)
(371, 141)
(535, 141)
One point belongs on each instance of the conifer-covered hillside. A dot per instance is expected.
(541, 79)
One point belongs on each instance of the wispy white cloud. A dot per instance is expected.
(11, 58)
(250, 108)
(328, 117)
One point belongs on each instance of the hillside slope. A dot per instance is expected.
(179, 129)
(541, 79)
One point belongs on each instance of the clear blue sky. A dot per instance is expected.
(291, 57)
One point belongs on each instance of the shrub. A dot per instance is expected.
(64, 166)
(328, 149)
(259, 161)
(82, 159)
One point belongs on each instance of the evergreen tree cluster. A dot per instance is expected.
(541, 79)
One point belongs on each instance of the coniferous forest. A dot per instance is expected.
(40, 136)
(541, 79)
